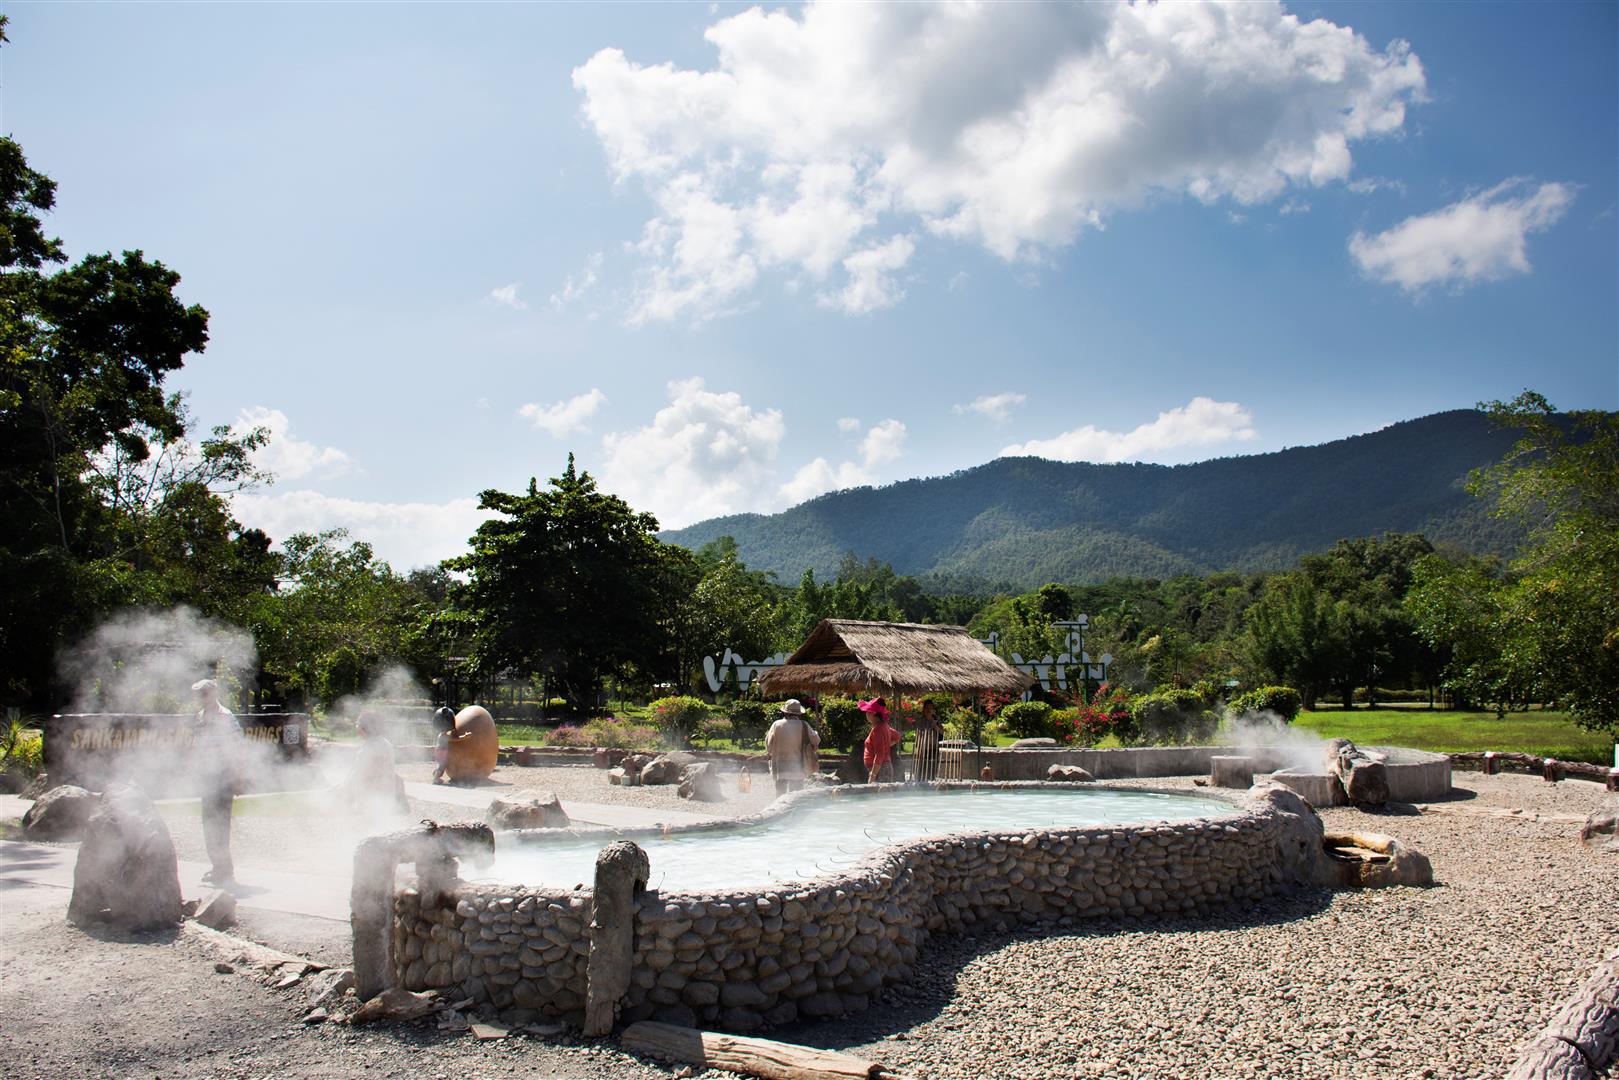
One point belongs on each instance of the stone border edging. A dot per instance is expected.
(1582, 1040)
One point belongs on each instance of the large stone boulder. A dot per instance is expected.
(1601, 830)
(1375, 861)
(127, 874)
(701, 783)
(1301, 859)
(1035, 744)
(666, 768)
(1364, 776)
(60, 813)
(1069, 774)
(534, 812)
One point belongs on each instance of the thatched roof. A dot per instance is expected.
(848, 656)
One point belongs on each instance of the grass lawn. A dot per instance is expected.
(1548, 734)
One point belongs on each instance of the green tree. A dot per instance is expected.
(570, 582)
(1296, 634)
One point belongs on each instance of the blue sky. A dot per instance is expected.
(442, 246)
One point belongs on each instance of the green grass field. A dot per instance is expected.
(1548, 734)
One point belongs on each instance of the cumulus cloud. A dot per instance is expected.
(997, 407)
(821, 138)
(285, 455)
(406, 534)
(573, 290)
(1481, 238)
(563, 417)
(506, 296)
(819, 477)
(883, 443)
(848, 424)
(704, 454)
(1201, 422)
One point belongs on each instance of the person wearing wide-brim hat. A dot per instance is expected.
(218, 747)
(792, 746)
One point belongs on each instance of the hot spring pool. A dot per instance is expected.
(831, 834)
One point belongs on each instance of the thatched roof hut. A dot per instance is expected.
(848, 656)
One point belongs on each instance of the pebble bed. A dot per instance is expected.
(1447, 981)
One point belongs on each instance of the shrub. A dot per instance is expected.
(843, 725)
(567, 735)
(712, 729)
(1210, 691)
(607, 731)
(678, 717)
(1088, 723)
(749, 721)
(1028, 720)
(1284, 701)
(1173, 716)
(21, 748)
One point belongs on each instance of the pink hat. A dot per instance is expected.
(875, 705)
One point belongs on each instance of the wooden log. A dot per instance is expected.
(751, 1057)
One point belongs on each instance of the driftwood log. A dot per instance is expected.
(750, 1057)
(1374, 860)
(1365, 778)
(1582, 1040)
(1493, 761)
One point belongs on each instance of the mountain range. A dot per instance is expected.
(1018, 522)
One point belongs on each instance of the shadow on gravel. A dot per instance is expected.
(932, 984)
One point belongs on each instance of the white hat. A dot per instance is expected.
(204, 684)
(791, 707)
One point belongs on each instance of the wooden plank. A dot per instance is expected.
(764, 1058)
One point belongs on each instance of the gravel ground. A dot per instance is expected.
(1443, 982)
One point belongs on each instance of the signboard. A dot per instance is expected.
(732, 668)
(154, 750)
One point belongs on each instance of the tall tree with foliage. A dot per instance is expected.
(569, 582)
(1557, 615)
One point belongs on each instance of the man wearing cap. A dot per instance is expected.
(217, 750)
(789, 743)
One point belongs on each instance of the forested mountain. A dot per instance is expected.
(1019, 522)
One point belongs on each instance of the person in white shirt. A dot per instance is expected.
(791, 745)
(217, 751)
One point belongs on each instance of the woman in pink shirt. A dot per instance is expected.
(880, 743)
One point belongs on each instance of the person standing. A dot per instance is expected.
(880, 743)
(217, 751)
(789, 742)
(928, 733)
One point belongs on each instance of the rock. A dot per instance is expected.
(395, 1004)
(1364, 776)
(316, 1016)
(632, 764)
(217, 909)
(822, 1004)
(222, 968)
(666, 768)
(701, 783)
(1601, 830)
(1374, 861)
(488, 1032)
(622, 869)
(60, 813)
(127, 873)
(618, 777)
(1069, 774)
(1034, 744)
(328, 988)
(608, 757)
(533, 812)
(38, 786)
(1301, 859)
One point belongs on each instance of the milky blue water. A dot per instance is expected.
(829, 834)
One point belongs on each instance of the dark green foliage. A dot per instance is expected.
(1283, 701)
(843, 725)
(678, 718)
(1017, 523)
(1171, 717)
(1028, 720)
(749, 721)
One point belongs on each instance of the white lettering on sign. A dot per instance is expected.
(731, 667)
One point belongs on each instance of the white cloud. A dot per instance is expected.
(506, 296)
(704, 454)
(1481, 238)
(405, 534)
(958, 280)
(819, 477)
(871, 284)
(564, 417)
(883, 443)
(998, 407)
(1201, 422)
(288, 457)
(820, 137)
(848, 424)
(573, 290)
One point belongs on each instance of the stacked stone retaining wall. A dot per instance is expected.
(748, 958)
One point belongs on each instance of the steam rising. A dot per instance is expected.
(1302, 748)
(146, 661)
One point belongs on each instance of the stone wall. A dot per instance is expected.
(743, 960)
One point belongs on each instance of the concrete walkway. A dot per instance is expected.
(23, 864)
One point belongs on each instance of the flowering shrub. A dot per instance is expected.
(608, 731)
(1107, 713)
(994, 703)
(567, 735)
